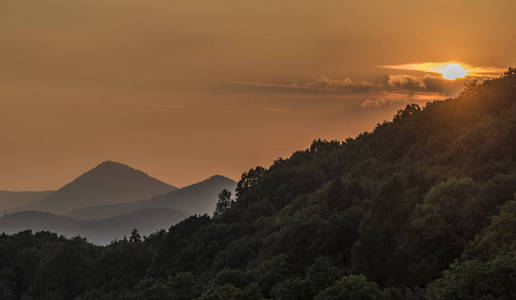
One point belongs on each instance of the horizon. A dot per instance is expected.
(126, 165)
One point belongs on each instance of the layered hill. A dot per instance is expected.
(10, 200)
(99, 231)
(108, 183)
(199, 198)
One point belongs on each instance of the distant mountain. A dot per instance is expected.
(98, 231)
(199, 198)
(11, 200)
(36, 220)
(108, 183)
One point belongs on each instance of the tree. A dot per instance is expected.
(135, 237)
(182, 286)
(409, 110)
(499, 237)
(229, 292)
(473, 280)
(249, 179)
(223, 203)
(352, 287)
(448, 214)
(64, 273)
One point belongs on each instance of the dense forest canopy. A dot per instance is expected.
(422, 207)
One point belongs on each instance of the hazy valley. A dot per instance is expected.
(108, 202)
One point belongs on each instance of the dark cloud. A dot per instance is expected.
(339, 84)
(322, 85)
(428, 83)
(448, 88)
(403, 81)
(409, 86)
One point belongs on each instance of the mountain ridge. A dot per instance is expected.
(108, 183)
(100, 231)
(12, 199)
(198, 198)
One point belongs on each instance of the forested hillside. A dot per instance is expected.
(422, 207)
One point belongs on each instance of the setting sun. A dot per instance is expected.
(452, 71)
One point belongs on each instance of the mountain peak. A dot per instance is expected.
(218, 177)
(109, 182)
(198, 198)
(109, 164)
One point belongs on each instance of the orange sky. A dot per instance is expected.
(186, 89)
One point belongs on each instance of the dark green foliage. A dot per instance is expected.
(380, 216)
(320, 275)
(474, 280)
(232, 284)
(64, 272)
(499, 236)
(341, 195)
(182, 286)
(353, 287)
(229, 292)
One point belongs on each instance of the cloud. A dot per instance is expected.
(431, 82)
(449, 88)
(325, 81)
(321, 84)
(379, 102)
(392, 89)
(405, 82)
(428, 84)
(339, 84)
(396, 98)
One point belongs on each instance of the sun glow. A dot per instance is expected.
(449, 70)
(452, 71)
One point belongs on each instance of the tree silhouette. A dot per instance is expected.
(224, 202)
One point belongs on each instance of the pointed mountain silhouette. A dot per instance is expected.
(10, 200)
(97, 231)
(199, 198)
(108, 183)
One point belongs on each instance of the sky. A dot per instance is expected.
(183, 90)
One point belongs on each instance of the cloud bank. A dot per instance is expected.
(391, 89)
